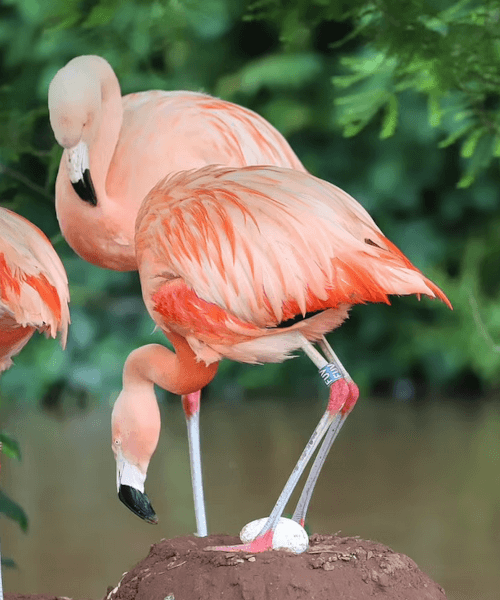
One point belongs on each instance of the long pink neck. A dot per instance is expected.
(178, 372)
(103, 145)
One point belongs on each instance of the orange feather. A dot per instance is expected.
(34, 291)
(226, 255)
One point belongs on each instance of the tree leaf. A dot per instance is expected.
(100, 15)
(479, 160)
(470, 144)
(435, 110)
(453, 137)
(496, 147)
(12, 510)
(9, 446)
(8, 563)
(390, 120)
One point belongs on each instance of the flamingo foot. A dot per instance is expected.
(288, 535)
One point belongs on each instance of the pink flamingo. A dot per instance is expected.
(117, 148)
(34, 292)
(249, 264)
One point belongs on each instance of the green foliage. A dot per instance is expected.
(478, 313)
(8, 507)
(415, 94)
(8, 562)
(448, 51)
(9, 446)
(13, 511)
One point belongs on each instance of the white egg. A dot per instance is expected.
(288, 535)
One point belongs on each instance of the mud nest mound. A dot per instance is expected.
(333, 567)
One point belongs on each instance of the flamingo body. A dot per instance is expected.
(34, 291)
(229, 258)
(249, 264)
(134, 141)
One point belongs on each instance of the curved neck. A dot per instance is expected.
(178, 372)
(102, 145)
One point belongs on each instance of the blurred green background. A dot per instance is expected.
(394, 101)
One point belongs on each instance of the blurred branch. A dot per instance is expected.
(25, 181)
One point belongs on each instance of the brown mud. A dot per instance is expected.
(332, 568)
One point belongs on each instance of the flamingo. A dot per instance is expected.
(117, 148)
(34, 292)
(249, 264)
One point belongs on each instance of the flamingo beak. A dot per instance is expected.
(138, 503)
(79, 172)
(130, 485)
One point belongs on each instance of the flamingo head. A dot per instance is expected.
(135, 433)
(75, 114)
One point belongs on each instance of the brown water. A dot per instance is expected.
(424, 481)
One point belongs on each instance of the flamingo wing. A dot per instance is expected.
(34, 290)
(256, 246)
(198, 130)
(168, 132)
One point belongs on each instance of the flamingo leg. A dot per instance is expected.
(339, 394)
(191, 405)
(302, 505)
(300, 512)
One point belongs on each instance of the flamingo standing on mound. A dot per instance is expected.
(34, 292)
(249, 264)
(117, 148)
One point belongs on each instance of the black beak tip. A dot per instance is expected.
(138, 503)
(85, 188)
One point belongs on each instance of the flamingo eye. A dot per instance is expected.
(117, 442)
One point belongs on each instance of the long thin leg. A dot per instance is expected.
(299, 514)
(300, 511)
(339, 392)
(191, 405)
